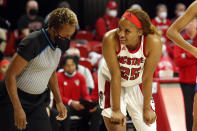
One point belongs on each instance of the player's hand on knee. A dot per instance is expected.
(62, 111)
(149, 116)
(118, 118)
(20, 119)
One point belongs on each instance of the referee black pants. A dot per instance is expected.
(34, 107)
(188, 94)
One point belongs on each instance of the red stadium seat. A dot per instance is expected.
(91, 44)
(11, 43)
(94, 94)
(85, 62)
(73, 44)
(97, 49)
(95, 75)
(95, 46)
(84, 35)
(84, 50)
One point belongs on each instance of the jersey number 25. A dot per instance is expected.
(129, 74)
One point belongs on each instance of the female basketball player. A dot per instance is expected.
(131, 54)
(174, 34)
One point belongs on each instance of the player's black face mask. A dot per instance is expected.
(62, 43)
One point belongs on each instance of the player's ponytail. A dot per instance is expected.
(154, 30)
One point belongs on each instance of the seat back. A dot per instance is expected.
(84, 35)
(85, 62)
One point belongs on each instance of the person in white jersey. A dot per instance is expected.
(131, 53)
(173, 34)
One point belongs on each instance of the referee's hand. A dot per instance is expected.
(20, 118)
(62, 111)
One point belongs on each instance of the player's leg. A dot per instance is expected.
(105, 104)
(135, 109)
(140, 125)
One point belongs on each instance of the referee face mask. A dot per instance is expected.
(62, 43)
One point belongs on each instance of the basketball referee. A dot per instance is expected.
(32, 71)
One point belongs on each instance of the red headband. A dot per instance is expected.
(131, 17)
(4, 62)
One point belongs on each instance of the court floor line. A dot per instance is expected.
(173, 100)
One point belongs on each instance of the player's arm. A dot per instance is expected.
(153, 51)
(109, 52)
(173, 32)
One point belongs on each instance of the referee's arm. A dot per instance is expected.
(15, 68)
(53, 85)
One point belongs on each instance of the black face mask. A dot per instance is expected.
(62, 44)
(33, 12)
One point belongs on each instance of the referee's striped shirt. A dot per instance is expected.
(42, 57)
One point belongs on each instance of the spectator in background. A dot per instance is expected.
(165, 67)
(187, 74)
(3, 68)
(161, 21)
(179, 10)
(83, 70)
(3, 41)
(62, 4)
(4, 35)
(94, 58)
(108, 22)
(72, 86)
(136, 6)
(30, 21)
